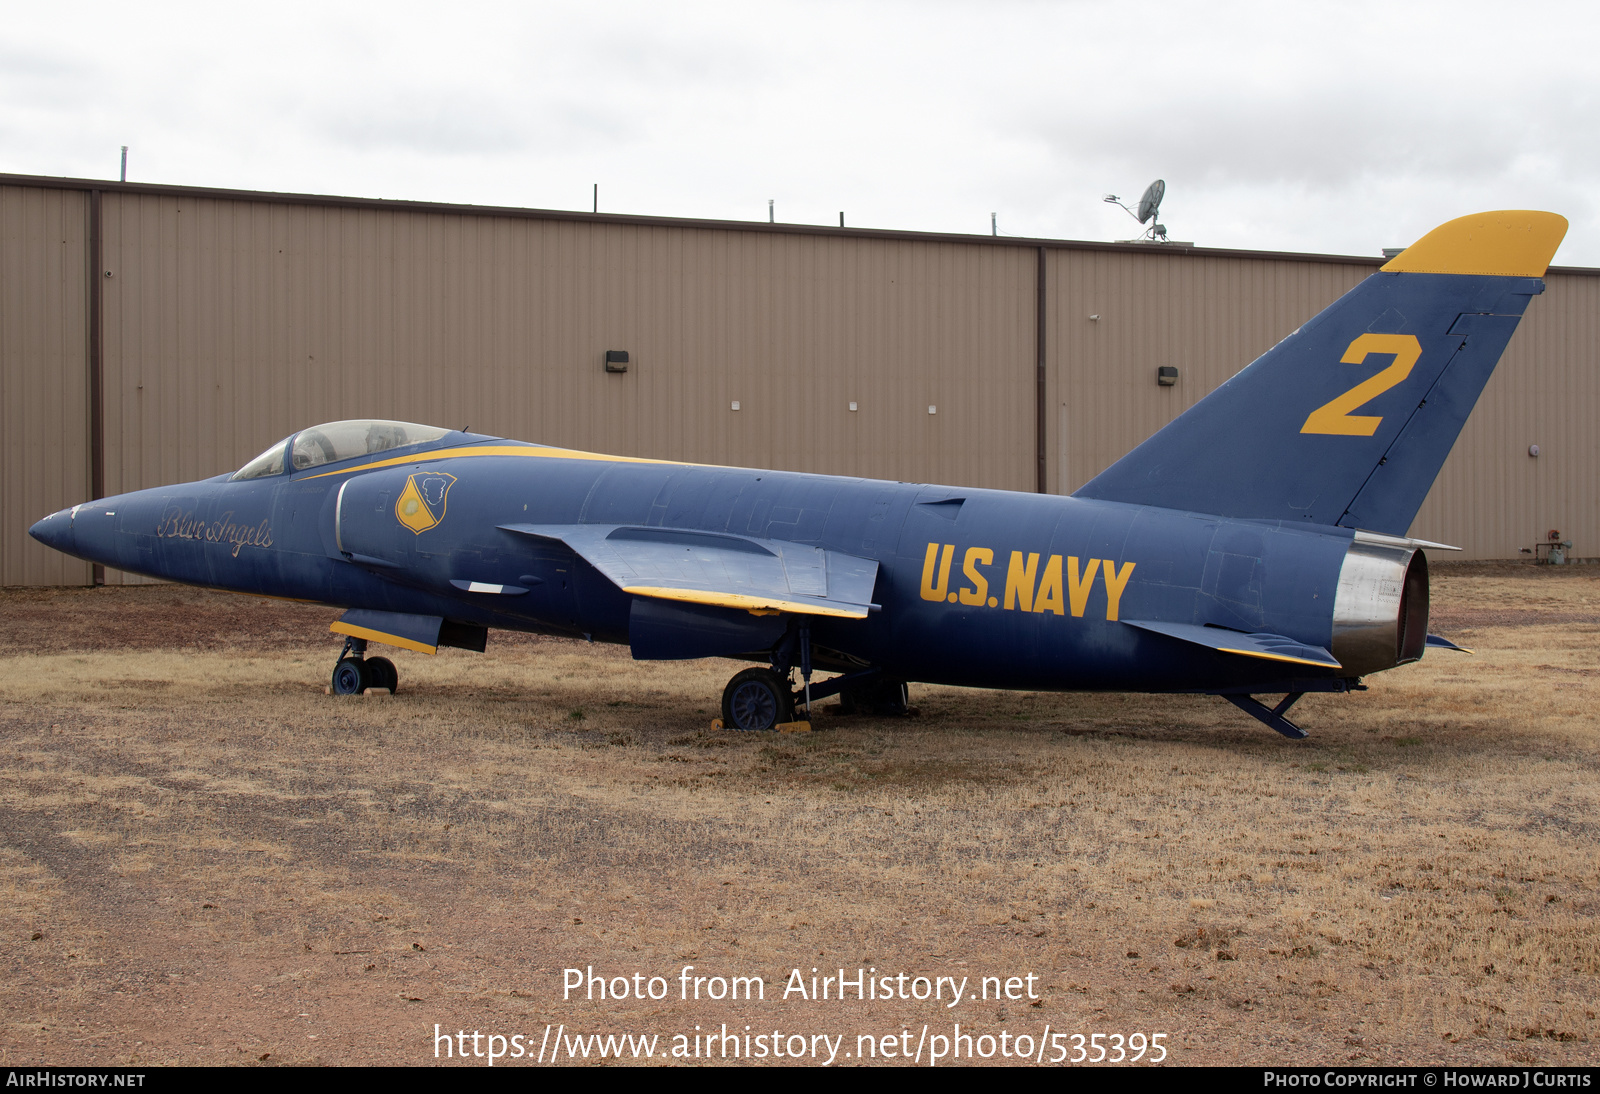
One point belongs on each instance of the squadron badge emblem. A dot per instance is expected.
(421, 503)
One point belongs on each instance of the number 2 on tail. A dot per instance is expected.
(1334, 417)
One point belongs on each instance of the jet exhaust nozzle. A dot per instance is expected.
(1380, 613)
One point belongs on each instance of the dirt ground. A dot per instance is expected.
(205, 859)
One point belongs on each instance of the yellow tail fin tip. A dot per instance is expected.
(1504, 243)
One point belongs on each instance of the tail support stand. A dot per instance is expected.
(1271, 716)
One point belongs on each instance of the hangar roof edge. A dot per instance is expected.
(404, 205)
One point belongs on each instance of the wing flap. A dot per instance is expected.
(718, 569)
(1269, 647)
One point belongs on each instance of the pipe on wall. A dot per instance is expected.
(97, 416)
(1040, 405)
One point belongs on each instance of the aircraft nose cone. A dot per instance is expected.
(56, 531)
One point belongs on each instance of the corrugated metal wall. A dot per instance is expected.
(1207, 316)
(44, 415)
(230, 322)
(1492, 497)
(1211, 316)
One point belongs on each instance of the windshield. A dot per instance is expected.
(337, 441)
(268, 463)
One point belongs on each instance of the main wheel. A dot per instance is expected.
(757, 699)
(884, 698)
(350, 677)
(381, 673)
(894, 699)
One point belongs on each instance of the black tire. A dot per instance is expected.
(894, 699)
(882, 698)
(381, 673)
(757, 699)
(350, 676)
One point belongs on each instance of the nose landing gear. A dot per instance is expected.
(381, 673)
(355, 672)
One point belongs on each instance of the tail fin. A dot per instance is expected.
(1348, 420)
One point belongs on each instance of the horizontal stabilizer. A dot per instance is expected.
(1437, 643)
(1381, 540)
(1270, 647)
(713, 568)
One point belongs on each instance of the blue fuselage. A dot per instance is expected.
(974, 587)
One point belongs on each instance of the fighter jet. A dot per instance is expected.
(1256, 546)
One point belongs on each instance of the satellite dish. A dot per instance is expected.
(1149, 206)
(1150, 203)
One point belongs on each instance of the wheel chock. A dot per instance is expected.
(376, 693)
(716, 724)
(793, 727)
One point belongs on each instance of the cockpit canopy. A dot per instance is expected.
(336, 441)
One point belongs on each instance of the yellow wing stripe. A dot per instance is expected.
(528, 451)
(748, 603)
(1282, 657)
(341, 627)
(1505, 243)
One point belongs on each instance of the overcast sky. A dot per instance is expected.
(1326, 127)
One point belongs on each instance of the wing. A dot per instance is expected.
(726, 571)
(1271, 647)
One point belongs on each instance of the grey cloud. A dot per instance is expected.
(36, 80)
(1323, 145)
(454, 125)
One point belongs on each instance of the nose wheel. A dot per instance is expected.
(355, 672)
(381, 674)
(350, 676)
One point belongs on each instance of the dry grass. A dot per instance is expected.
(206, 859)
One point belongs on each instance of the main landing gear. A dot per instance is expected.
(757, 699)
(761, 699)
(355, 672)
